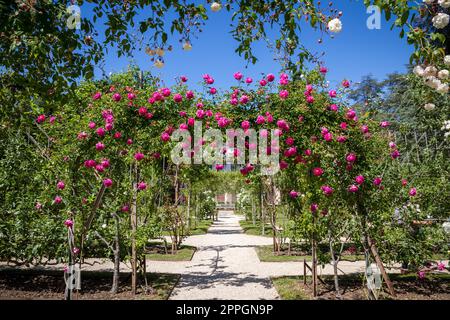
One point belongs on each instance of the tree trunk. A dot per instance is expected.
(335, 270)
(263, 215)
(380, 265)
(188, 222)
(133, 237)
(116, 274)
(314, 258)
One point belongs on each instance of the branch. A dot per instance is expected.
(104, 241)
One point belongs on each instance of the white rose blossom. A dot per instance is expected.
(159, 63)
(444, 3)
(187, 46)
(443, 74)
(430, 71)
(429, 106)
(419, 71)
(441, 20)
(432, 82)
(215, 6)
(442, 88)
(335, 25)
(447, 60)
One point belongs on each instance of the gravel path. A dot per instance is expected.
(225, 265)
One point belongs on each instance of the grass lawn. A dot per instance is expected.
(254, 229)
(185, 253)
(265, 254)
(407, 287)
(200, 228)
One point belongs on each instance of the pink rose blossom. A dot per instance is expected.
(364, 129)
(289, 141)
(283, 94)
(68, 223)
(165, 92)
(41, 118)
(177, 98)
(89, 163)
(327, 190)
(138, 156)
(117, 97)
(60, 185)
(238, 76)
(97, 96)
(351, 157)
(142, 185)
(243, 99)
(99, 146)
(353, 188)
(245, 125)
(334, 107)
(82, 135)
(412, 192)
(310, 99)
(189, 95)
(107, 182)
(359, 179)
(57, 199)
(351, 114)
(317, 171)
(165, 137)
(270, 77)
(101, 132)
(395, 154)
(293, 194)
(332, 93)
(283, 165)
(377, 181)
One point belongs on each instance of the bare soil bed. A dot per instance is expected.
(407, 287)
(43, 285)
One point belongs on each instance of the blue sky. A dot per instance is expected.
(355, 52)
